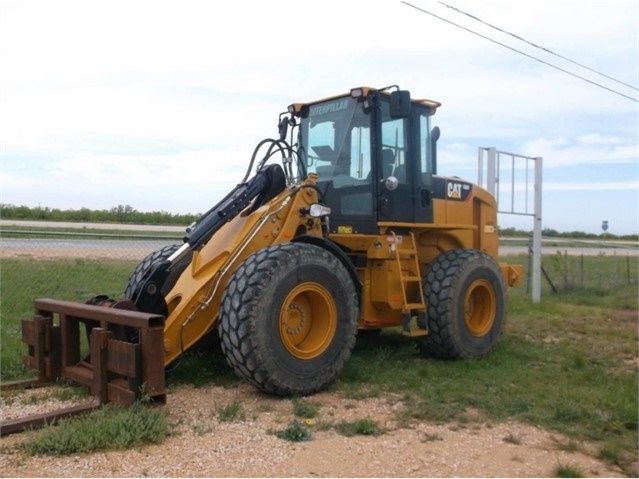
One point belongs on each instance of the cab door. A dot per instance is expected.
(405, 165)
(394, 179)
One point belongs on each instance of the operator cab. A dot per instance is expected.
(375, 157)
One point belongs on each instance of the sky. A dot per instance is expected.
(159, 104)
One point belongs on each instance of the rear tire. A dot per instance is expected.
(466, 305)
(288, 319)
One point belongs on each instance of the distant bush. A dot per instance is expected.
(128, 214)
(117, 214)
(551, 233)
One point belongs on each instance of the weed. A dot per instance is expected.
(295, 432)
(564, 470)
(361, 427)
(231, 412)
(305, 409)
(105, 428)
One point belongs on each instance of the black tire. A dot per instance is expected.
(465, 293)
(288, 319)
(141, 270)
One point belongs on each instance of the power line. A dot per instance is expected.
(536, 46)
(520, 52)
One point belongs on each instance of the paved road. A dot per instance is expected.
(80, 248)
(48, 247)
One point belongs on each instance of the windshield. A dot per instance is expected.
(335, 141)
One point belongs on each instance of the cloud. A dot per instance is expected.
(161, 103)
(587, 150)
(614, 186)
(599, 139)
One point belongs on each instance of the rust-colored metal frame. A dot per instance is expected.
(117, 369)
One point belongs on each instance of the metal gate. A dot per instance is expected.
(515, 182)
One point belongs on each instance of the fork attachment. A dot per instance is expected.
(125, 360)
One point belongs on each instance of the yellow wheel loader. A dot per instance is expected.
(340, 224)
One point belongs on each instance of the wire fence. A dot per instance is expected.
(68, 265)
(68, 245)
(603, 270)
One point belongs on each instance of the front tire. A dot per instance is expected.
(145, 266)
(466, 305)
(288, 319)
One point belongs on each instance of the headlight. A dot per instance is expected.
(317, 211)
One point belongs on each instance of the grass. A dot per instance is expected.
(111, 428)
(201, 366)
(23, 280)
(568, 364)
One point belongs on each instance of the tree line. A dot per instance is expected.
(117, 214)
(551, 233)
(128, 214)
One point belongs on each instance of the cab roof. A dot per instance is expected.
(296, 108)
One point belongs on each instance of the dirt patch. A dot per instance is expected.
(202, 444)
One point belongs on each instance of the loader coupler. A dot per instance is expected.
(121, 361)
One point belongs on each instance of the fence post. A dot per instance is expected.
(536, 267)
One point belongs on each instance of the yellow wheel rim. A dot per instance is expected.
(308, 321)
(480, 308)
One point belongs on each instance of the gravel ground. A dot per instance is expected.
(200, 445)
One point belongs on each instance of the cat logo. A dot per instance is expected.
(454, 190)
(457, 191)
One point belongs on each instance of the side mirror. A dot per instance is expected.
(434, 136)
(400, 104)
(282, 126)
(391, 183)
